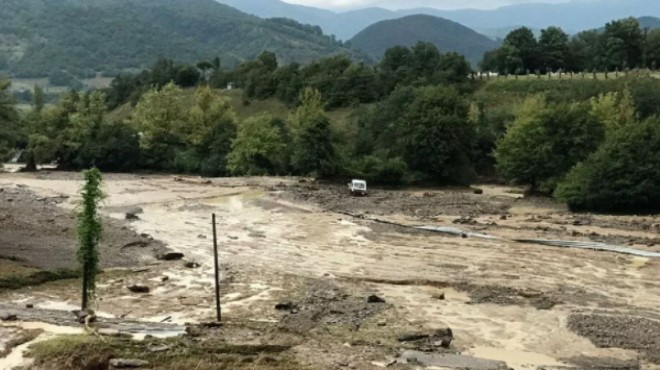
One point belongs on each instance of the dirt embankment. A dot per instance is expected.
(38, 233)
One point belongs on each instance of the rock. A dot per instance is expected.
(440, 297)
(478, 191)
(157, 349)
(82, 315)
(137, 244)
(135, 288)
(192, 264)
(171, 256)
(165, 278)
(412, 337)
(343, 364)
(382, 323)
(124, 363)
(503, 217)
(29, 305)
(9, 317)
(443, 337)
(194, 331)
(131, 216)
(286, 306)
(201, 236)
(375, 299)
(387, 363)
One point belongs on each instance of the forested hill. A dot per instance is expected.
(38, 37)
(446, 35)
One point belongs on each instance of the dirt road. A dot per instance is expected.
(527, 305)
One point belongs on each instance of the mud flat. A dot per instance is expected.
(292, 242)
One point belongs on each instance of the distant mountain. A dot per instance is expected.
(38, 37)
(407, 31)
(574, 16)
(649, 22)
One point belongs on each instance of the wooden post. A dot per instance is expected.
(217, 271)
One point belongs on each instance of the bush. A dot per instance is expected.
(621, 176)
(110, 147)
(392, 171)
(545, 141)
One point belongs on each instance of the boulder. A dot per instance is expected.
(125, 363)
(375, 299)
(171, 256)
(135, 288)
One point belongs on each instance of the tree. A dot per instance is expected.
(553, 49)
(653, 49)
(545, 141)
(89, 233)
(522, 45)
(614, 110)
(313, 152)
(623, 44)
(621, 176)
(9, 130)
(258, 148)
(38, 99)
(435, 136)
(160, 118)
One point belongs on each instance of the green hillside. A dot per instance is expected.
(448, 36)
(38, 37)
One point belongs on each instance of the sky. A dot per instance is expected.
(402, 4)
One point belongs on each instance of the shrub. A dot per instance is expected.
(621, 176)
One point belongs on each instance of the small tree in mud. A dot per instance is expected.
(89, 233)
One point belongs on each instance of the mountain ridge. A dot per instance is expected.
(570, 16)
(36, 36)
(446, 35)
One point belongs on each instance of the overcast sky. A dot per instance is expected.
(400, 4)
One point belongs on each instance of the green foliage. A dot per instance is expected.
(545, 141)
(313, 150)
(436, 136)
(112, 36)
(37, 278)
(89, 233)
(258, 149)
(620, 45)
(112, 147)
(621, 176)
(9, 121)
(391, 171)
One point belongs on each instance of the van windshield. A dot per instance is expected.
(359, 185)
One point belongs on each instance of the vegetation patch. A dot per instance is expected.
(91, 352)
(40, 277)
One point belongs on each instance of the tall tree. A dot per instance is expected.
(523, 45)
(553, 48)
(623, 44)
(8, 120)
(314, 151)
(545, 141)
(89, 233)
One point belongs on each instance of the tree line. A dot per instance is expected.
(620, 46)
(592, 143)
(341, 81)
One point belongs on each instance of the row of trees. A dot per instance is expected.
(565, 139)
(341, 81)
(621, 45)
(600, 154)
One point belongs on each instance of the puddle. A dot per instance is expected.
(515, 359)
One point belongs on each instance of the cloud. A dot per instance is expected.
(402, 4)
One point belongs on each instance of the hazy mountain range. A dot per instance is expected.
(407, 31)
(574, 16)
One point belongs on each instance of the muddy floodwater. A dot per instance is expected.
(529, 306)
